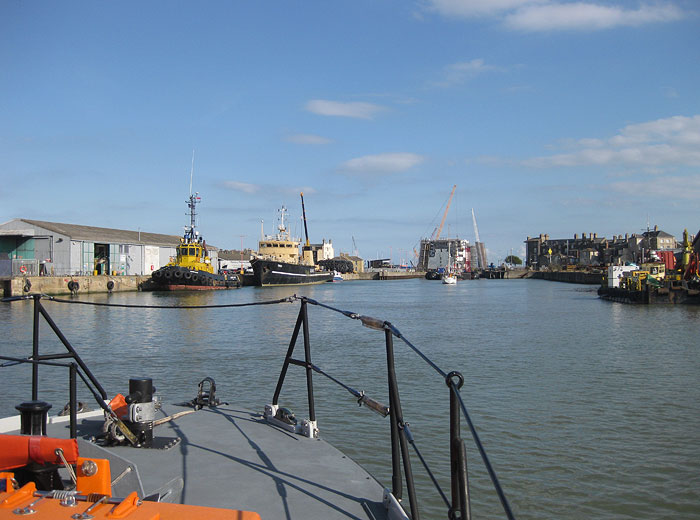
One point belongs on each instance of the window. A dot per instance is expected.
(192, 251)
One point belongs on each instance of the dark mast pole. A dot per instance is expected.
(303, 212)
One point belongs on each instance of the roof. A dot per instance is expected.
(232, 254)
(92, 233)
(658, 234)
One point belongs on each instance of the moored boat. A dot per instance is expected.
(278, 261)
(652, 283)
(192, 267)
(449, 279)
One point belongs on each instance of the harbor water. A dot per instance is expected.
(587, 409)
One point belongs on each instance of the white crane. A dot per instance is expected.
(476, 228)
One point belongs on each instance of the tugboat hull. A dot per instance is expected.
(269, 273)
(176, 278)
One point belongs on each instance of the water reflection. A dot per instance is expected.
(586, 408)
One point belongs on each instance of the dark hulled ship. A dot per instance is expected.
(278, 261)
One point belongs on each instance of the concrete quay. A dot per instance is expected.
(57, 285)
(581, 277)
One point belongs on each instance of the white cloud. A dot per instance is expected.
(307, 139)
(669, 188)
(670, 92)
(381, 163)
(357, 109)
(587, 16)
(242, 186)
(460, 72)
(245, 187)
(661, 143)
(550, 15)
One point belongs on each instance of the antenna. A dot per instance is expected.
(192, 172)
(190, 233)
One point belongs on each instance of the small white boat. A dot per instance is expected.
(449, 279)
(337, 277)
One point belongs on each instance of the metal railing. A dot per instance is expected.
(22, 267)
(401, 436)
(459, 507)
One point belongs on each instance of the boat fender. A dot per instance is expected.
(110, 285)
(27, 286)
(177, 274)
(187, 275)
(73, 286)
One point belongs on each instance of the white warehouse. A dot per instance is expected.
(36, 247)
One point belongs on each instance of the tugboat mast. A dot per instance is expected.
(190, 233)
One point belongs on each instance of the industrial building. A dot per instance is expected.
(36, 248)
(436, 255)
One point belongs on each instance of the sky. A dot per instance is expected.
(550, 116)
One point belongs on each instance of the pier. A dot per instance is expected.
(56, 285)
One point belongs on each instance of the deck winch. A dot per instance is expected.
(141, 410)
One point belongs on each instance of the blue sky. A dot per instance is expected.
(550, 116)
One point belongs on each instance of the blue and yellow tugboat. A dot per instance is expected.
(192, 268)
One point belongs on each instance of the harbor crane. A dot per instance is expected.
(476, 228)
(480, 249)
(438, 230)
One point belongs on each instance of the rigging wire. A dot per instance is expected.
(367, 321)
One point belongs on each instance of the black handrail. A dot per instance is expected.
(40, 311)
(400, 431)
(458, 455)
(458, 461)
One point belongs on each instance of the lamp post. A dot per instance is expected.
(242, 237)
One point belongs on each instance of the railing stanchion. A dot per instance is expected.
(288, 357)
(72, 351)
(398, 434)
(459, 477)
(73, 403)
(35, 348)
(396, 482)
(307, 359)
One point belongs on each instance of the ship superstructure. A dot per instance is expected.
(278, 261)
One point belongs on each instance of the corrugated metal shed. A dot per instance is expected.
(98, 234)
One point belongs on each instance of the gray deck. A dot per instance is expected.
(232, 458)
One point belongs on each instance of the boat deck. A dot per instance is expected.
(232, 458)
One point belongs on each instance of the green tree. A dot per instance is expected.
(512, 259)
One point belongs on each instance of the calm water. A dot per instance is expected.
(587, 409)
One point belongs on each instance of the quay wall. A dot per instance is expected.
(569, 277)
(55, 285)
